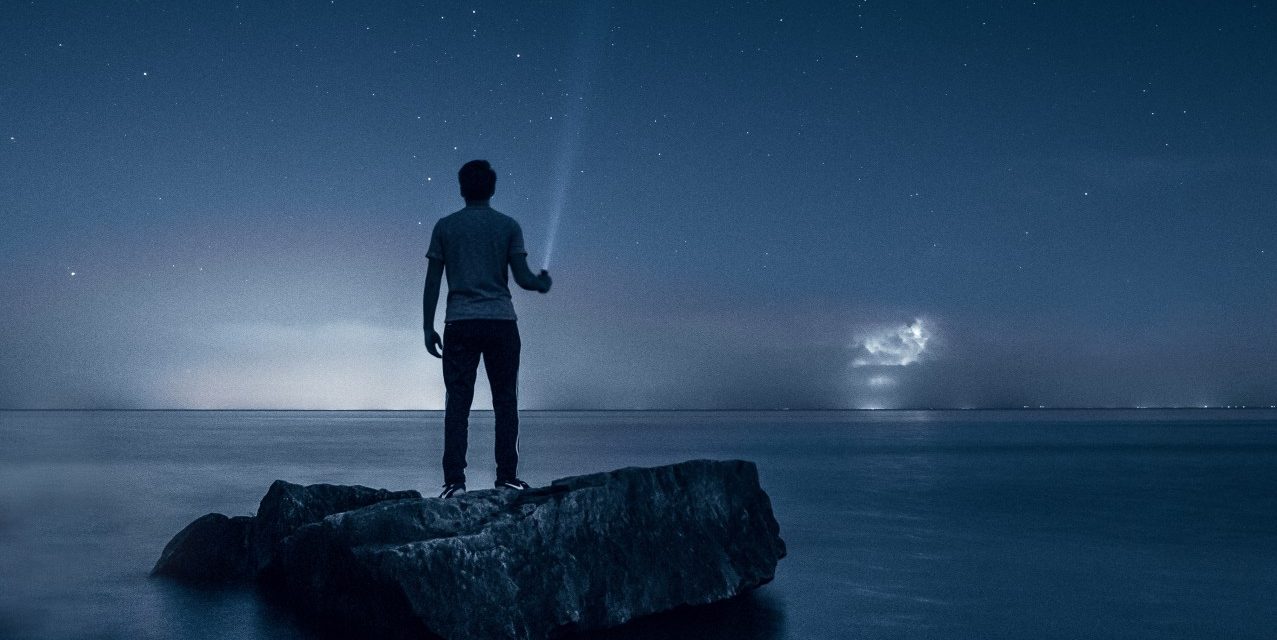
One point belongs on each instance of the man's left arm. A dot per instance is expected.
(429, 302)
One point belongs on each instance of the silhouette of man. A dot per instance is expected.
(477, 247)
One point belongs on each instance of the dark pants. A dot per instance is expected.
(463, 342)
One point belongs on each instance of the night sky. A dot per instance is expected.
(764, 205)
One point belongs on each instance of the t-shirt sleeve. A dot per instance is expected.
(435, 252)
(516, 242)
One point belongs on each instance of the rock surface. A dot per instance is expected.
(215, 548)
(587, 552)
(287, 506)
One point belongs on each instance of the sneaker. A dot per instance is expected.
(512, 483)
(453, 489)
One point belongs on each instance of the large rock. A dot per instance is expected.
(586, 552)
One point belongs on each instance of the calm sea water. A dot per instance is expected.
(965, 524)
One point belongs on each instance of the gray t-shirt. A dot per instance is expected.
(475, 245)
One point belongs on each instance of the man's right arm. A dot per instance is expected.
(523, 275)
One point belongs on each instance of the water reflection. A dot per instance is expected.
(753, 616)
(183, 611)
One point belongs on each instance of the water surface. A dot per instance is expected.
(963, 524)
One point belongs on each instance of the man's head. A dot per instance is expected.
(478, 180)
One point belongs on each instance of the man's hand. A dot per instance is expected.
(523, 275)
(434, 344)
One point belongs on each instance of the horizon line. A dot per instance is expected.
(726, 410)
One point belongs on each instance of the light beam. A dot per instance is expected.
(593, 21)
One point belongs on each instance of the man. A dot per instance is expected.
(477, 247)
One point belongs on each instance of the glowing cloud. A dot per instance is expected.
(892, 346)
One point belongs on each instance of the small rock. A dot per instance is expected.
(212, 549)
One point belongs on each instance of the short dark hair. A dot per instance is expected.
(478, 180)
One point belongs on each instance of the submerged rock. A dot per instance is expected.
(587, 552)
